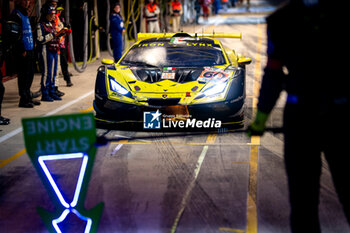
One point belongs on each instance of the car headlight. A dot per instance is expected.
(216, 89)
(115, 86)
(213, 90)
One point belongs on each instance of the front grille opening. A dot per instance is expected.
(182, 75)
(163, 102)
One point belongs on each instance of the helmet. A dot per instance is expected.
(47, 9)
(51, 10)
(117, 3)
(12, 31)
(310, 3)
(306, 3)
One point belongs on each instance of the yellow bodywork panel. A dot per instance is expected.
(161, 89)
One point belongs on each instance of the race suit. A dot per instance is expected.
(152, 12)
(116, 30)
(48, 46)
(176, 12)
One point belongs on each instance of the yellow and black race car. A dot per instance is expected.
(178, 77)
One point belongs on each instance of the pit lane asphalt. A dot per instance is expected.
(207, 183)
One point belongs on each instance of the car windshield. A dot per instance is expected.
(188, 54)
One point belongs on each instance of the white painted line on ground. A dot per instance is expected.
(69, 104)
(18, 130)
(10, 134)
(116, 149)
(188, 192)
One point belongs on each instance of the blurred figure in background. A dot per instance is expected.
(48, 42)
(197, 8)
(3, 120)
(117, 29)
(176, 12)
(63, 53)
(317, 112)
(225, 4)
(59, 26)
(152, 12)
(216, 6)
(24, 54)
(205, 9)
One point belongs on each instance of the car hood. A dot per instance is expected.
(171, 80)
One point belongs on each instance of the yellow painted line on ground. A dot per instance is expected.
(252, 216)
(14, 157)
(90, 109)
(6, 161)
(231, 230)
(123, 142)
(255, 141)
(126, 142)
(211, 138)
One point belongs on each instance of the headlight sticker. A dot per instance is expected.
(209, 75)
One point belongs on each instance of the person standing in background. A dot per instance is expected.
(197, 7)
(59, 26)
(3, 120)
(205, 8)
(63, 48)
(24, 54)
(152, 12)
(48, 41)
(216, 6)
(176, 12)
(117, 29)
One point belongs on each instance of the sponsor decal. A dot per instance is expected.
(177, 40)
(169, 68)
(210, 123)
(208, 75)
(155, 120)
(151, 120)
(168, 73)
(170, 76)
(175, 43)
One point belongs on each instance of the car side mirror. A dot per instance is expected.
(244, 61)
(107, 61)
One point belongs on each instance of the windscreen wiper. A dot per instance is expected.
(139, 63)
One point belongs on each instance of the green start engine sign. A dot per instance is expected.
(59, 134)
(64, 138)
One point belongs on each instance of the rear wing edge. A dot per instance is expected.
(234, 35)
